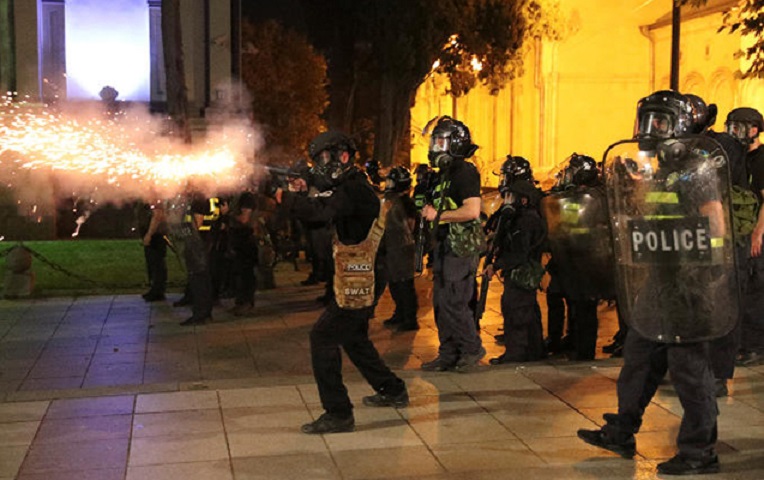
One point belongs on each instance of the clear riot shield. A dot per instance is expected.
(579, 239)
(670, 220)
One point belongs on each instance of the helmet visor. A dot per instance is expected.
(440, 143)
(656, 125)
(739, 130)
(504, 180)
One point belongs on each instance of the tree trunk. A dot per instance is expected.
(393, 120)
(172, 45)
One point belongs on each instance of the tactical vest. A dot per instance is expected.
(208, 219)
(354, 266)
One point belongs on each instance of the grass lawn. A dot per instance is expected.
(97, 267)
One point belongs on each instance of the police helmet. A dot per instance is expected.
(524, 189)
(325, 151)
(741, 120)
(421, 171)
(513, 169)
(581, 170)
(664, 114)
(398, 180)
(450, 138)
(703, 115)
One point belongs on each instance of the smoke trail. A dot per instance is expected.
(47, 156)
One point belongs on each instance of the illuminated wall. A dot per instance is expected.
(707, 64)
(579, 94)
(107, 43)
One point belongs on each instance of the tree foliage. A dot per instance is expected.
(471, 41)
(490, 42)
(747, 20)
(287, 80)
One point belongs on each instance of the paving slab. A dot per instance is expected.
(112, 388)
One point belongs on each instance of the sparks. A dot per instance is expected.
(127, 156)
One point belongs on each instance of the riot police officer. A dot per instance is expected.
(351, 203)
(459, 239)
(153, 228)
(578, 236)
(676, 277)
(746, 124)
(725, 349)
(519, 241)
(242, 221)
(422, 194)
(513, 169)
(195, 233)
(398, 244)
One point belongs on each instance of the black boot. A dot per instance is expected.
(600, 438)
(328, 423)
(680, 465)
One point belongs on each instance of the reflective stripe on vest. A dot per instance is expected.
(570, 212)
(209, 219)
(671, 199)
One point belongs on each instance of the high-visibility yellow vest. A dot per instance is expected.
(210, 218)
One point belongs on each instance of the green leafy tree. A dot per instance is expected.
(746, 19)
(749, 20)
(287, 80)
(388, 48)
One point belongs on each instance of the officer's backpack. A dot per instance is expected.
(745, 211)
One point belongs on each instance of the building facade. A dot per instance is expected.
(69, 49)
(579, 94)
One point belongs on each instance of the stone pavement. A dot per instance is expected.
(102, 388)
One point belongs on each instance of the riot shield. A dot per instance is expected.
(669, 205)
(579, 239)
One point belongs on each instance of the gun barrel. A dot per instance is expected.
(480, 306)
(281, 171)
(420, 241)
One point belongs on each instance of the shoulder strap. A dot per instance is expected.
(378, 227)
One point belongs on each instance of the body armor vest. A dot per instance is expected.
(209, 218)
(354, 266)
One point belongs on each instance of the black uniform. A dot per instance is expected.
(221, 256)
(556, 308)
(454, 276)
(646, 361)
(244, 243)
(155, 253)
(352, 207)
(724, 349)
(584, 269)
(519, 240)
(753, 302)
(197, 258)
(399, 248)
